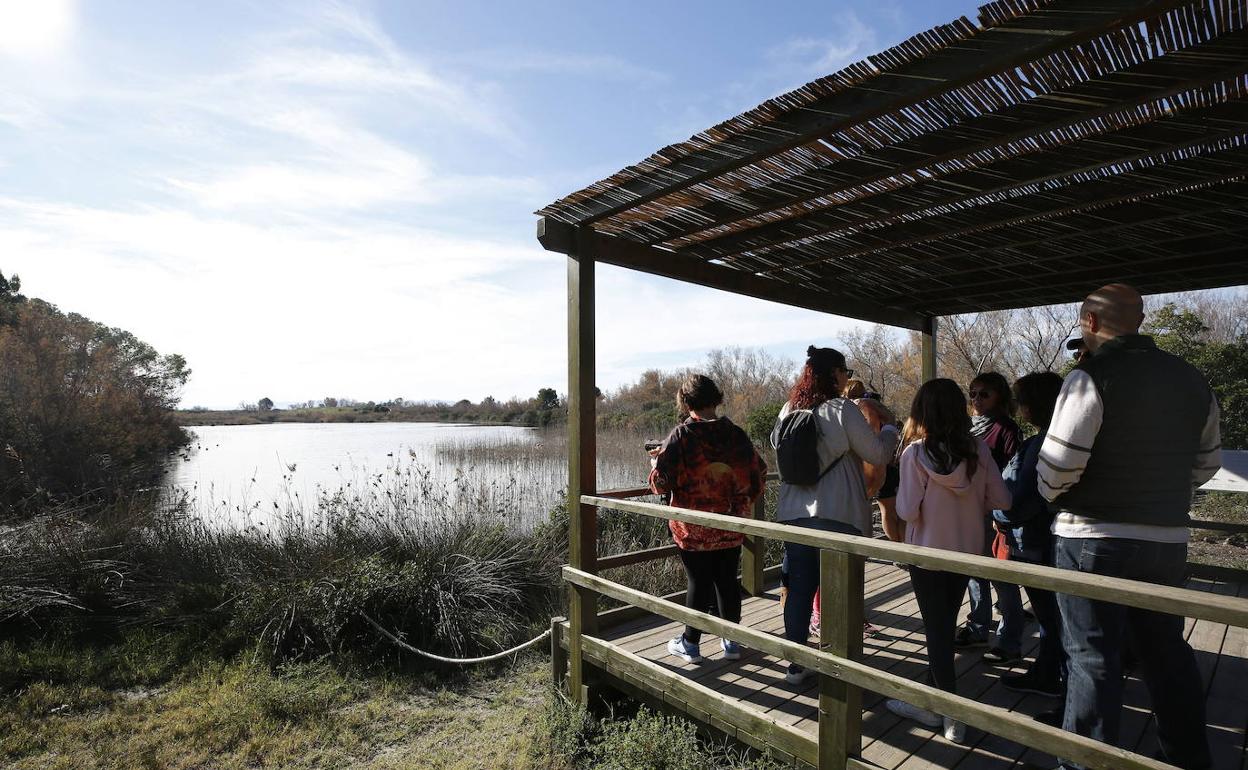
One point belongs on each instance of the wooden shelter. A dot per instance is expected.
(1020, 159)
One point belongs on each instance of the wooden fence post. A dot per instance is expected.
(558, 656)
(840, 632)
(753, 554)
(582, 472)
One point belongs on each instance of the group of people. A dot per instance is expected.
(1103, 486)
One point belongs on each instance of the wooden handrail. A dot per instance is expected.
(626, 492)
(1219, 526)
(992, 719)
(1177, 601)
(637, 557)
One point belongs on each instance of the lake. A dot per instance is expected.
(251, 475)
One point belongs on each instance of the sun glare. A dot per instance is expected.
(35, 29)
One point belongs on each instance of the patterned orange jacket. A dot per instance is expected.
(708, 465)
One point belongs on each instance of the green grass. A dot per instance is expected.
(242, 714)
(152, 701)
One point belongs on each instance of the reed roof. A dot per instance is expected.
(1021, 159)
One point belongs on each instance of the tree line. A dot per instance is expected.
(84, 407)
(1209, 329)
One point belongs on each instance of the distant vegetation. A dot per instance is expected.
(84, 408)
(1209, 329)
(546, 408)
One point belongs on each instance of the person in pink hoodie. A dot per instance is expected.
(949, 483)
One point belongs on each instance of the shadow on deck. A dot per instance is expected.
(757, 681)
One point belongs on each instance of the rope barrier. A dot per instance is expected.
(461, 661)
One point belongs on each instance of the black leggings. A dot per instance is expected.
(712, 576)
(940, 597)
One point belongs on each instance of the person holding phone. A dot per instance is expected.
(708, 464)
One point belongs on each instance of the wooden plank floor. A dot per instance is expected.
(891, 742)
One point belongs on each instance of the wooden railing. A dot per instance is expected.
(753, 550)
(842, 674)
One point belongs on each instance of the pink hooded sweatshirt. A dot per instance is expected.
(948, 510)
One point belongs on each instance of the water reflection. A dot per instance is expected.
(253, 475)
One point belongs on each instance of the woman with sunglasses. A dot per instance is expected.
(992, 410)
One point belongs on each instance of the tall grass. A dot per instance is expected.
(460, 568)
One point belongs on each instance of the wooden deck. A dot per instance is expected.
(889, 742)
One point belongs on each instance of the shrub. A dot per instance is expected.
(569, 738)
(760, 421)
(84, 409)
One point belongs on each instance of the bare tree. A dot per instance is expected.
(1224, 311)
(749, 377)
(973, 343)
(1037, 337)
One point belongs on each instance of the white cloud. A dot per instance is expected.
(282, 308)
(807, 58)
(259, 223)
(600, 67)
(36, 30)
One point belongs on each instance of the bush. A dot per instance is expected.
(760, 421)
(84, 409)
(457, 586)
(569, 738)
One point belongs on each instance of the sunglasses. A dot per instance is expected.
(981, 393)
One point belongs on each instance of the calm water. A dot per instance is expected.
(240, 475)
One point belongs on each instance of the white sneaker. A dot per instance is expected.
(955, 731)
(796, 674)
(732, 650)
(687, 652)
(910, 711)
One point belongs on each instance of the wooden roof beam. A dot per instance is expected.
(724, 213)
(1211, 269)
(576, 241)
(1079, 198)
(855, 106)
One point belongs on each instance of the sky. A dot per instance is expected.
(310, 198)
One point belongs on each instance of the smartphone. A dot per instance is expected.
(653, 444)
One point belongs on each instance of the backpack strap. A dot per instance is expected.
(815, 411)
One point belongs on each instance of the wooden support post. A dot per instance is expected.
(752, 555)
(558, 657)
(582, 457)
(840, 632)
(928, 353)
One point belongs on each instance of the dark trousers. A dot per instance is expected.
(712, 584)
(1095, 632)
(939, 595)
(799, 572)
(1051, 658)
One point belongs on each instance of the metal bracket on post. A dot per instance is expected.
(841, 577)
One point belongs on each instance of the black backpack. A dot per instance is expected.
(797, 449)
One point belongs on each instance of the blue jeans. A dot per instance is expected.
(1009, 601)
(799, 572)
(1094, 633)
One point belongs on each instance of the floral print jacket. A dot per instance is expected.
(708, 465)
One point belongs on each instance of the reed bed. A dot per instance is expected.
(459, 569)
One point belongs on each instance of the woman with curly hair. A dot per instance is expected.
(837, 500)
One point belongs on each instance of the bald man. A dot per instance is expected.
(1135, 430)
